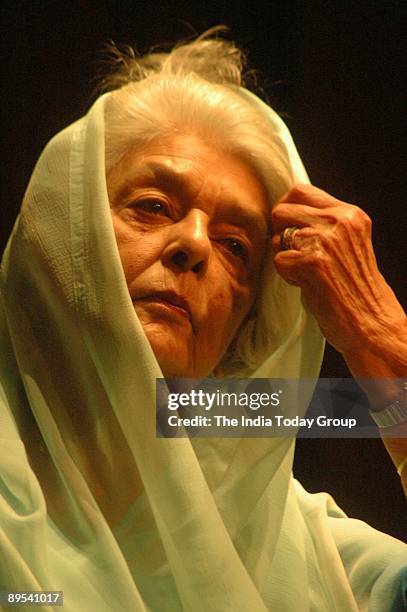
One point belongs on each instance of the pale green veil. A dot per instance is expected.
(221, 524)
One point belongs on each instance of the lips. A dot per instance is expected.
(171, 299)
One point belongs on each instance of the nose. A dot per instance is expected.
(188, 246)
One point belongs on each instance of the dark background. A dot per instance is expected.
(334, 70)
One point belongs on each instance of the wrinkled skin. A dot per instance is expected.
(191, 224)
(334, 264)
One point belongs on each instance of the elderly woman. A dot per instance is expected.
(143, 249)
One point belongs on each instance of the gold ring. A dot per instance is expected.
(287, 238)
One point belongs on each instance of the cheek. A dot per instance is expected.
(241, 296)
(244, 299)
(134, 261)
(227, 309)
(238, 294)
(134, 258)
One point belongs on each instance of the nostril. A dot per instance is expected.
(180, 259)
(198, 267)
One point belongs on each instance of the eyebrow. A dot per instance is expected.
(157, 174)
(151, 173)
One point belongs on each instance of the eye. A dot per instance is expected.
(236, 248)
(152, 206)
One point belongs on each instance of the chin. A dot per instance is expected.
(175, 355)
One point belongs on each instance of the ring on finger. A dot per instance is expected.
(287, 238)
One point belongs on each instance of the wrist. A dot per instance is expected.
(394, 413)
(379, 372)
(379, 353)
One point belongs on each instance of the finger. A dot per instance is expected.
(299, 215)
(305, 239)
(297, 267)
(311, 196)
(286, 267)
(286, 264)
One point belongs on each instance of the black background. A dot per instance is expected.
(334, 70)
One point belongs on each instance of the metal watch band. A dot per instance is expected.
(394, 414)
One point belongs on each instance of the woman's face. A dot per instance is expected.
(191, 224)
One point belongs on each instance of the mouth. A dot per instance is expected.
(169, 299)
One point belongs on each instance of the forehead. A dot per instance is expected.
(189, 167)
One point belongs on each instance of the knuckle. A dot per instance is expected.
(365, 220)
(353, 217)
(317, 260)
(300, 192)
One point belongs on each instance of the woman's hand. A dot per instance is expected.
(333, 262)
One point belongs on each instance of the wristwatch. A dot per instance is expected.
(395, 413)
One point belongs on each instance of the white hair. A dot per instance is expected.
(194, 89)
